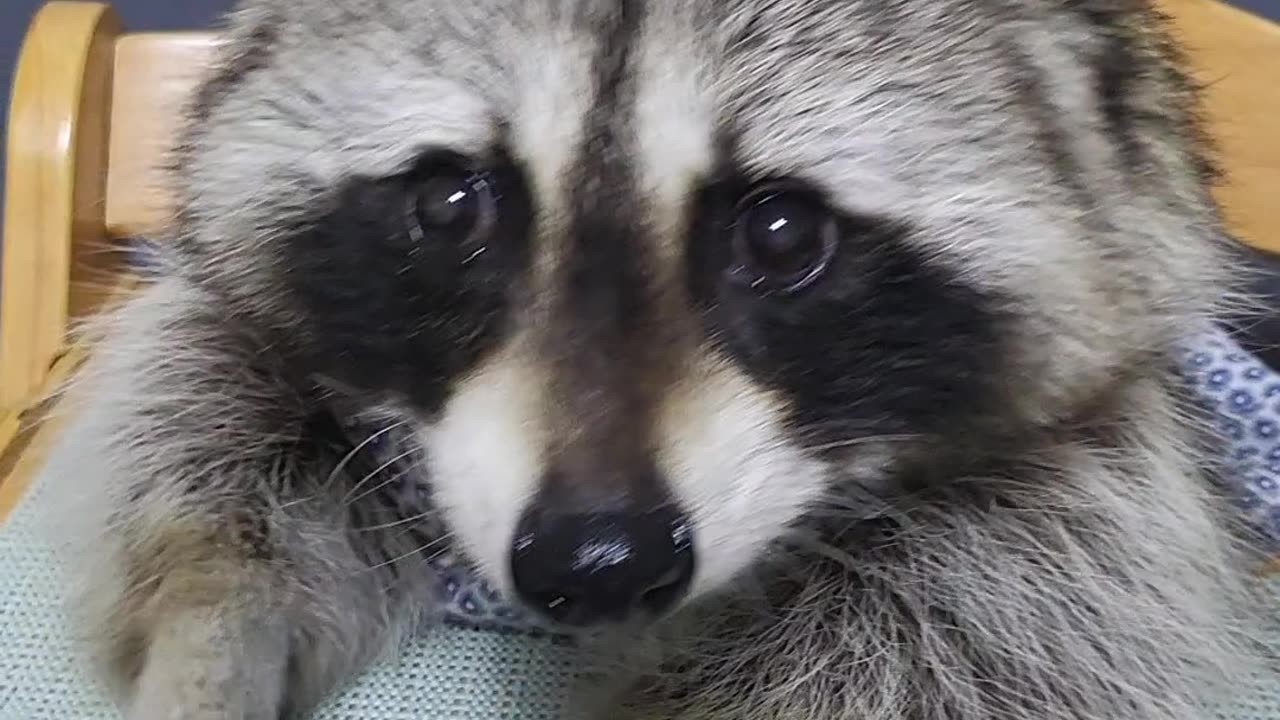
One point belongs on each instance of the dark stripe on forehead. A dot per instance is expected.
(1131, 34)
(1036, 101)
(601, 285)
(602, 302)
(1113, 69)
(616, 44)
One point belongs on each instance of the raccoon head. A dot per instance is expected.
(655, 280)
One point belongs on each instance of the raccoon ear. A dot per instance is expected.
(246, 44)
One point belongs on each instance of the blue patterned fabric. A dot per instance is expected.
(1244, 395)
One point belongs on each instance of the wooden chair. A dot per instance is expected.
(94, 108)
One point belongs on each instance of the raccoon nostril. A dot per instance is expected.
(584, 569)
(664, 593)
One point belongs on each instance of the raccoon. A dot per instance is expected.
(826, 349)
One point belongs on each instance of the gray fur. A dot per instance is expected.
(1093, 572)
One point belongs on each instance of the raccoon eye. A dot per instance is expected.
(452, 201)
(783, 239)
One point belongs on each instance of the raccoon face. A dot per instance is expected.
(654, 280)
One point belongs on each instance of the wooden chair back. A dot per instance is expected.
(92, 112)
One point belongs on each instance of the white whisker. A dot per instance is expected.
(415, 551)
(347, 498)
(395, 523)
(346, 459)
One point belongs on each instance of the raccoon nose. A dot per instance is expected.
(590, 568)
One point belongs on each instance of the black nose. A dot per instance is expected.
(585, 569)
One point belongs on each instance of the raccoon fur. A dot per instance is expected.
(825, 349)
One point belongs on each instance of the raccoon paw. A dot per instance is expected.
(209, 666)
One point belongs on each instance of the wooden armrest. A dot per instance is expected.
(1236, 55)
(59, 121)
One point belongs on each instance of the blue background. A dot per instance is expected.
(177, 14)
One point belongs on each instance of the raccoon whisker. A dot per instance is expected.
(402, 531)
(437, 553)
(865, 439)
(406, 528)
(825, 549)
(842, 428)
(346, 459)
(396, 523)
(848, 515)
(856, 498)
(411, 553)
(301, 500)
(851, 511)
(347, 499)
